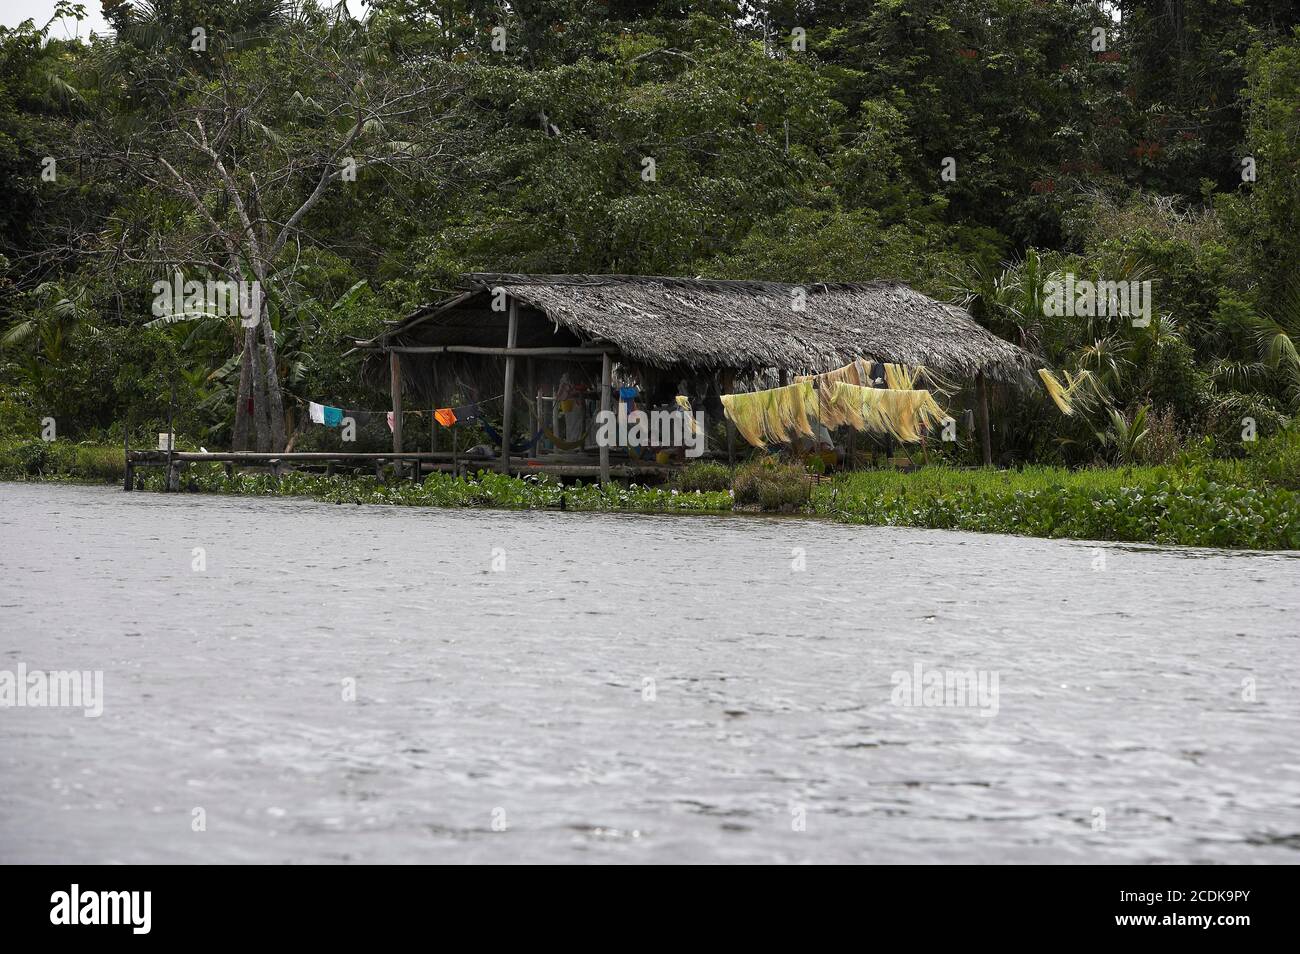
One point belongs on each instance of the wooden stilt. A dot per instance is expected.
(606, 382)
(395, 387)
(534, 413)
(512, 332)
(171, 433)
(982, 414)
(728, 381)
(126, 453)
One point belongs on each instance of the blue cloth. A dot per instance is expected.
(333, 416)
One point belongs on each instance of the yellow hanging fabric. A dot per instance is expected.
(899, 377)
(894, 411)
(684, 403)
(774, 416)
(1063, 394)
(857, 372)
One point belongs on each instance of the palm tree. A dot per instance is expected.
(55, 315)
(1007, 298)
(1277, 336)
(1126, 439)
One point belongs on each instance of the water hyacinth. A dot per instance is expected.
(484, 489)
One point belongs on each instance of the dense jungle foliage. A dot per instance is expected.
(973, 148)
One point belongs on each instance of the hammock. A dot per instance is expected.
(563, 444)
(894, 411)
(774, 416)
(1063, 394)
(515, 448)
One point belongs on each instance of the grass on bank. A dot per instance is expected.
(1245, 503)
(1162, 505)
(62, 460)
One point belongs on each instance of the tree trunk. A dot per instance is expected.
(274, 399)
(274, 403)
(260, 420)
(239, 440)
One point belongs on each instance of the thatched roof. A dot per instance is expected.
(745, 325)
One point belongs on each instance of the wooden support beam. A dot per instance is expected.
(253, 458)
(395, 387)
(591, 354)
(728, 381)
(982, 418)
(171, 435)
(534, 412)
(129, 475)
(512, 333)
(606, 382)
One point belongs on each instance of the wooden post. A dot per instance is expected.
(982, 416)
(128, 470)
(507, 412)
(395, 387)
(606, 382)
(534, 412)
(728, 381)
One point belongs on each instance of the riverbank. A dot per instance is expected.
(1242, 504)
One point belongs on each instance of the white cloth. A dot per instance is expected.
(317, 412)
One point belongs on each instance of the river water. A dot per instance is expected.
(329, 683)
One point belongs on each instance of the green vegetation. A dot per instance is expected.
(774, 159)
(1171, 156)
(769, 484)
(1142, 505)
(1197, 500)
(61, 460)
(484, 489)
(705, 475)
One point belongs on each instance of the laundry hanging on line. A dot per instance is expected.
(627, 395)
(324, 414)
(466, 413)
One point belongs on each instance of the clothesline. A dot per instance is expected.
(332, 416)
(350, 412)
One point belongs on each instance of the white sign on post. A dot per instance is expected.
(166, 441)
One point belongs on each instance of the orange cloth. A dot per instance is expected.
(445, 416)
